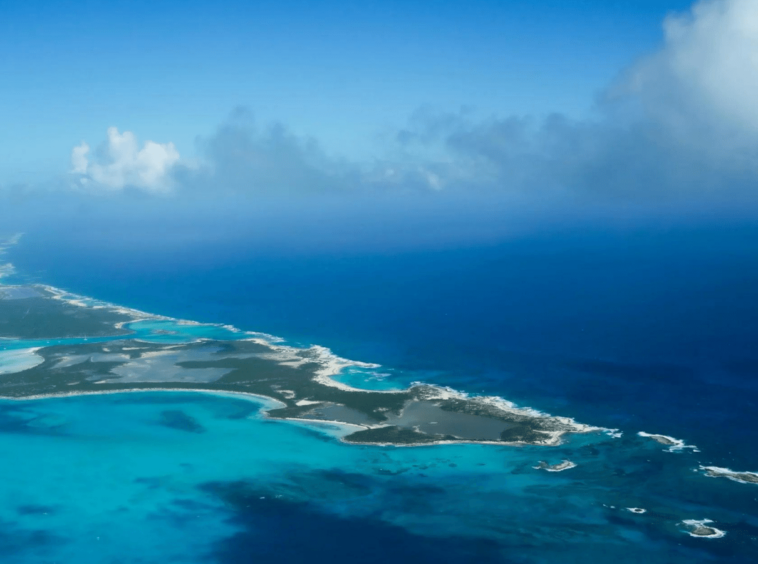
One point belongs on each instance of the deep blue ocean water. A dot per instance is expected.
(647, 330)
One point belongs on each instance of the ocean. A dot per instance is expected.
(649, 330)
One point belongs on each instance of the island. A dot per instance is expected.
(560, 467)
(63, 344)
(702, 529)
(674, 445)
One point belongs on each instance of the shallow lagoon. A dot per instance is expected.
(194, 477)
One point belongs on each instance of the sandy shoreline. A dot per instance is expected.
(330, 365)
(276, 404)
(269, 404)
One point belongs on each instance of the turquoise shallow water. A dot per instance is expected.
(373, 379)
(193, 477)
(152, 331)
(170, 331)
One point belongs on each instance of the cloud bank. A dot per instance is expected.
(706, 70)
(679, 125)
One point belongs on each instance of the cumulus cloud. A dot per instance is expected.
(121, 163)
(708, 67)
(79, 161)
(244, 157)
(680, 125)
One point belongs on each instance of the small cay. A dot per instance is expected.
(741, 477)
(674, 445)
(702, 529)
(560, 467)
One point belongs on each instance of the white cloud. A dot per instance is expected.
(697, 135)
(79, 159)
(708, 65)
(122, 163)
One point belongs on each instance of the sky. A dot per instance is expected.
(343, 72)
(640, 106)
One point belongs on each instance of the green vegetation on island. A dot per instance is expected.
(298, 378)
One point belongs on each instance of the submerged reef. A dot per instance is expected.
(95, 347)
(560, 467)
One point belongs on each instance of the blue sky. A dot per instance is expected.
(345, 73)
(466, 117)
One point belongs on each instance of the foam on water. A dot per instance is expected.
(702, 529)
